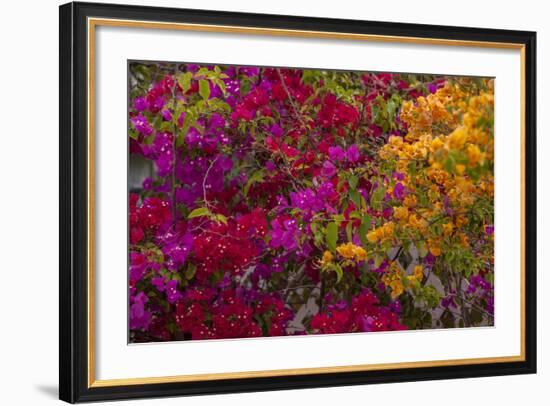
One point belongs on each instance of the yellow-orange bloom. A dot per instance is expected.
(460, 169)
(372, 236)
(401, 213)
(388, 230)
(474, 154)
(457, 138)
(346, 250)
(448, 228)
(396, 288)
(436, 144)
(410, 201)
(327, 258)
(461, 221)
(393, 280)
(434, 248)
(352, 251)
(360, 253)
(418, 272)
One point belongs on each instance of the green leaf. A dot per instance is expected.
(220, 83)
(338, 218)
(332, 236)
(353, 181)
(166, 126)
(364, 229)
(375, 113)
(190, 271)
(422, 249)
(221, 218)
(199, 212)
(191, 116)
(318, 236)
(245, 87)
(349, 230)
(449, 164)
(431, 296)
(180, 139)
(257, 176)
(157, 122)
(391, 106)
(377, 197)
(412, 168)
(220, 105)
(339, 272)
(184, 80)
(149, 140)
(378, 261)
(204, 89)
(355, 197)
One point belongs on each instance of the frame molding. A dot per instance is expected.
(77, 26)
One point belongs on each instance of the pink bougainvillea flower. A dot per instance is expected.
(329, 170)
(352, 153)
(140, 104)
(141, 125)
(140, 318)
(336, 153)
(398, 191)
(284, 233)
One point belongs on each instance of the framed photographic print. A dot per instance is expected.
(257, 202)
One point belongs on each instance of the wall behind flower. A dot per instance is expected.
(28, 215)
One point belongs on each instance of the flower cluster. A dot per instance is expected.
(363, 314)
(291, 201)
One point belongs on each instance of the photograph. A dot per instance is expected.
(285, 201)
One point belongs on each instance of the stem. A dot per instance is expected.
(285, 290)
(290, 100)
(397, 254)
(204, 181)
(322, 292)
(460, 297)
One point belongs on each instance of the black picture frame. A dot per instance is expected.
(74, 385)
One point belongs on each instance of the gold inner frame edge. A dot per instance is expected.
(92, 23)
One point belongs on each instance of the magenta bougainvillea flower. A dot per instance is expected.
(141, 125)
(284, 233)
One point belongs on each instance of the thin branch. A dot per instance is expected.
(290, 100)
(204, 181)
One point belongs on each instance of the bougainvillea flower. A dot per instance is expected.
(140, 104)
(398, 191)
(139, 317)
(329, 170)
(336, 153)
(138, 266)
(283, 234)
(172, 292)
(141, 125)
(176, 250)
(352, 153)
